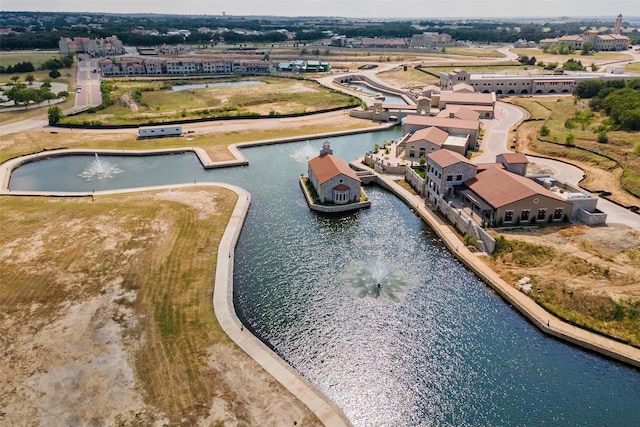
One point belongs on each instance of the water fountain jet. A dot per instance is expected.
(98, 169)
(376, 279)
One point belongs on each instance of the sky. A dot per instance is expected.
(343, 8)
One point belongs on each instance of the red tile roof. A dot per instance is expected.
(514, 158)
(328, 166)
(442, 122)
(430, 134)
(500, 188)
(445, 158)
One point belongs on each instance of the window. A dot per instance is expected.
(557, 214)
(508, 216)
(412, 153)
(542, 214)
(458, 177)
(449, 177)
(524, 215)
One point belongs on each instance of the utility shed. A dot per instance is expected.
(159, 131)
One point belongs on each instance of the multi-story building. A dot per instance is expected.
(182, 67)
(96, 48)
(521, 84)
(599, 42)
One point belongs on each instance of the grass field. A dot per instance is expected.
(555, 113)
(170, 267)
(214, 141)
(36, 58)
(141, 101)
(561, 274)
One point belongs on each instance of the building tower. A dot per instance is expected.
(326, 148)
(618, 26)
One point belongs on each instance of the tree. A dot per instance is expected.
(573, 65)
(29, 78)
(587, 46)
(54, 115)
(54, 74)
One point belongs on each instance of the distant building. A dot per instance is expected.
(599, 42)
(183, 67)
(304, 66)
(430, 40)
(522, 84)
(383, 43)
(95, 48)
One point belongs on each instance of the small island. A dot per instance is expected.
(332, 186)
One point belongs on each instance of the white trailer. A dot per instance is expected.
(159, 131)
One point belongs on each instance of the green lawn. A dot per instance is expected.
(144, 101)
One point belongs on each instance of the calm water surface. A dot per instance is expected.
(449, 353)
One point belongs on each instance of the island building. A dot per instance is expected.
(337, 187)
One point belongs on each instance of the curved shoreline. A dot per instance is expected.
(538, 316)
(224, 309)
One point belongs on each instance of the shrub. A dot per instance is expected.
(570, 140)
(544, 130)
(603, 137)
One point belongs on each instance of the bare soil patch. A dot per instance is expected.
(106, 316)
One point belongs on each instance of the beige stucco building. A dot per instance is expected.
(332, 178)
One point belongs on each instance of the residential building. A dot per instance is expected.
(96, 48)
(500, 197)
(461, 128)
(446, 170)
(183, 67)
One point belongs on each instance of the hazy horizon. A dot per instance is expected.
(401, 9)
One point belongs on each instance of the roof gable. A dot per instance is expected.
(445, 158)
(328, 166)
(499, 187)
(430, 134)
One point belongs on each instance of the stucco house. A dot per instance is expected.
(332, 178)
(456, 127)
(446, 170)
(501, 197)
(514, 162)
(428, 140)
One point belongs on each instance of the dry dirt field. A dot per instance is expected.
(106, 316)
(601, 260)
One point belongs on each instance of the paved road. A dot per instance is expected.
(88, 85)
